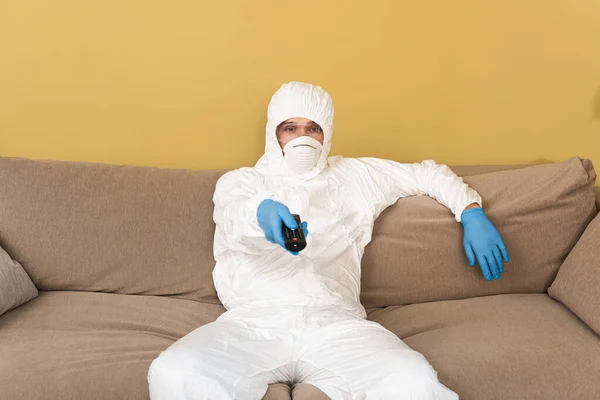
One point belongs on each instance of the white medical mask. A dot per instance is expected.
(302, 154)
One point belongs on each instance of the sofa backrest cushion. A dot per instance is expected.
(145, 230)
(416, 253)
(109, 228)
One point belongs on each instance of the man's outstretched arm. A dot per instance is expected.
(237, 196)
(248, 218)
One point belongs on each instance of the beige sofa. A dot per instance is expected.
(122, 258)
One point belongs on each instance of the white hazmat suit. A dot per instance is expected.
(299, 318)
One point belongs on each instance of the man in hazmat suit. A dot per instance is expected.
(297, 317)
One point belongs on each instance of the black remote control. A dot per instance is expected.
(294, 238)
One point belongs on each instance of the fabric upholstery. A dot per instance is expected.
(503, 347)
(110, 228)
(304, 391)
(577, 284)
(16, 287)
(77, 345)
(278, 391)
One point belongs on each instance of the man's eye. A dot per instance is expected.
(289, 129)
(315, 129)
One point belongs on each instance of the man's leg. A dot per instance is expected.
(354, 359)
(231, 358)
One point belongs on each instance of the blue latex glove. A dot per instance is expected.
(270, 215)
(483, 241)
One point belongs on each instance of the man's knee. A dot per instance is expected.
(170, 365)
(397, 386)
(177, 376)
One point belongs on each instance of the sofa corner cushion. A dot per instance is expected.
(577, 284)
(16, 287)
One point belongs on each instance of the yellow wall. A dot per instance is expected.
(185, 83)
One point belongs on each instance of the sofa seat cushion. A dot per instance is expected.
(278, 391)
(305, 391)
(78, 345)
(512, 346)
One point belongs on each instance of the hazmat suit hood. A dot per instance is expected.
(296, 100)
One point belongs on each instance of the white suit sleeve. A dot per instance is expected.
(396, 180)
(237, 196)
